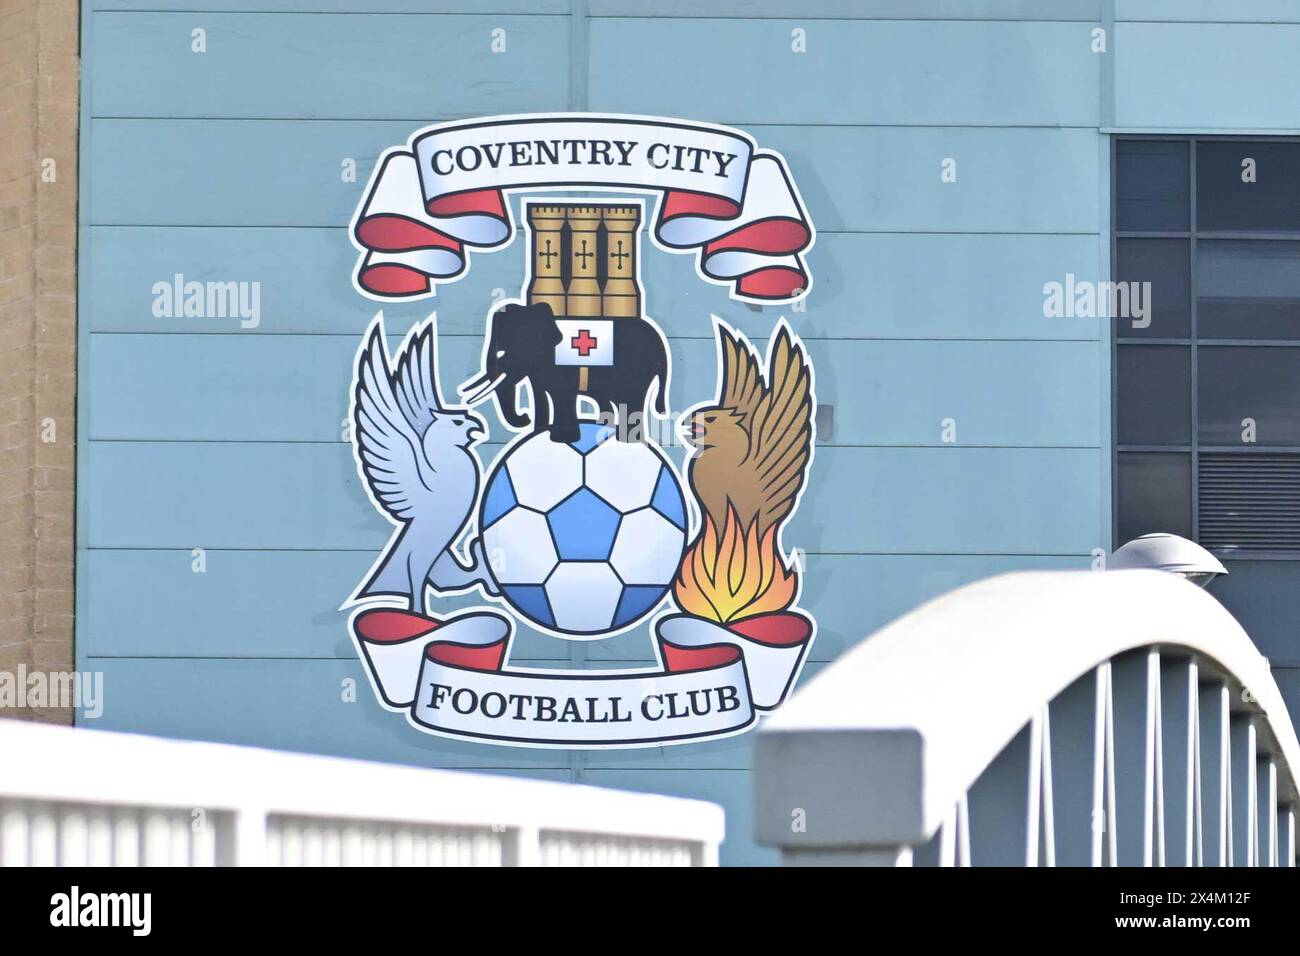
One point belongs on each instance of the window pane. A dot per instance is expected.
(1165, 264)
(1225, 202)
(1151, 183)
(1262, 384)
(1247, 289)
(1154, 395)
(1155, 494)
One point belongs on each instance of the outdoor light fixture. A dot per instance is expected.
(1168, 552)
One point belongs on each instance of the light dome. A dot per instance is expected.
(1168, 552)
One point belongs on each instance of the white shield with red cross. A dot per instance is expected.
(585, 342)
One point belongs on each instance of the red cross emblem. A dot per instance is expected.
(583, 342)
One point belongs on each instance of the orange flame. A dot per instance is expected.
(737, 576)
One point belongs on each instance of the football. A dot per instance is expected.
(583, 538)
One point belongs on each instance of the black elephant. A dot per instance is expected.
(521, 347)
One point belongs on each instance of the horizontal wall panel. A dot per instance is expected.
(1209, 11)
(887, 179)
(952, 501)
(894, 285)
(254, 604)
(253, 387)
(297, 705)
(835, 9)
(293, 65)
(888, 500)
(851, 9)
(304, 280)
(284, 604)
(220, 495)
(1206, 76)
(230, 172)
(823, 9)
(902, 73)
(351, 6)
(935, 286)
(878, 179)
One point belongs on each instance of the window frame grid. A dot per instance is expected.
(1193, 342)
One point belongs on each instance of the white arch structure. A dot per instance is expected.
(1040, 718)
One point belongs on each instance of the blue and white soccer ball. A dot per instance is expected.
(583, 538)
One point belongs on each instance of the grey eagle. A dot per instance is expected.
(415, 455)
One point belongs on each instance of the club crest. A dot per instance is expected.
(582, 525)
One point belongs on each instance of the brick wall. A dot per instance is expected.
(38, 222)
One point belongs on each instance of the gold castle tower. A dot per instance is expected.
(584, 260)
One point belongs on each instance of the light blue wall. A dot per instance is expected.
(927, 305)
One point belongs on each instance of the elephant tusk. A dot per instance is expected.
(469, 386)
(482, 392)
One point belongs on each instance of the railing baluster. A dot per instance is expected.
(14, 831)
(963, 831)
(43, 837)
(1034, 798)
(74, 841)
(948, 839)
(1100, 818)
(203, 838)
(1286, 835)
(157, 839)
(1049, 802)
(1040, 824)
(1196, 831)
(1112, 820)
(99, 838)
(126, 838)
(182, 840)
(1153, 803)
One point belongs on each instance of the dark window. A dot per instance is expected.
(1151, 185)
(1207, 396)
(1247, 290)
(1155, 395)
(1155, 493)
(1247, 186)
(1245, 389)
(1166, 264)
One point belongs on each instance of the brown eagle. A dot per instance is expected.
(753, 447)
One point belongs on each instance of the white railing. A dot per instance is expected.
(1059, 718)
(83, 797)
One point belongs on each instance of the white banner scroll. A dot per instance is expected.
(450, 678)
(720, 196)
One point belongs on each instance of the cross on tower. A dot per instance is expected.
(620, 255)
(584, 255)
(548, 255)
(584, 342)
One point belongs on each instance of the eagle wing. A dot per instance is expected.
(781, 434)
(742, 378)
(388, 445)
(416, 379)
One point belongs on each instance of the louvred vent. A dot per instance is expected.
(1249, 502)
